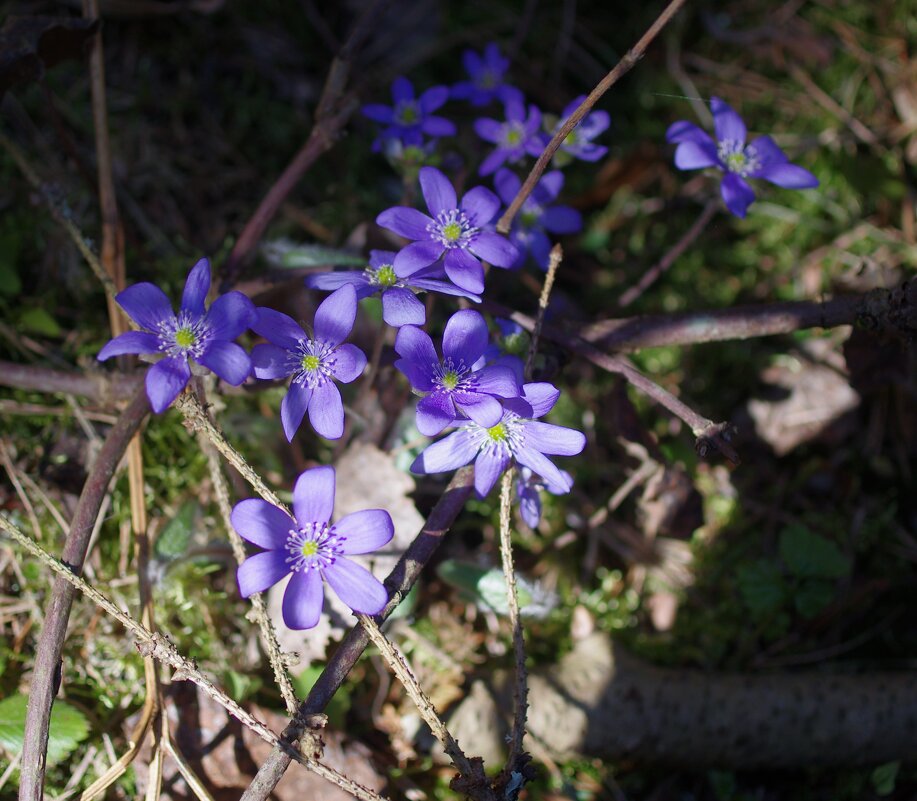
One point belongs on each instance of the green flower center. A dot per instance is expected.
(450, 379)
(310, 363)
(407, 114)
(385, 275)
(513, 136)
(309, 548)
(528, 218)
(572, 138)
(736, 162)
(185, 337)
(451, 231)
(487, 80)
(498, 433)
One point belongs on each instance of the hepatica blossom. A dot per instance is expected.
(515, 138)
(455, 387)
(537, 217)
(529, 488)
(486, 71)
(760, 158)
(194, 333)
(400, 305)
(409, 118)
(517, 437)
(578, 143)
(315, 361)
(310, 547)
(454, 232)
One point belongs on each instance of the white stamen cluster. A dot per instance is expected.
(184, 335)
(313, 363)
(505, 438)
(452, 229)
(450, 376)
(313, 546)
(742, 160)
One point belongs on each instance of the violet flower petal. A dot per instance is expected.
(449, 453)
(326, 411)
(271, 362)
(684, 131)
(365, 531)
(260, 571)
(416, 256)
(293, 408)
(130, 342)
(464, 270)
(165, 380)
(335, 316)
(228, 360)
(541, 396)
(494, 248)
(261, 523)
(554, 440)
(303, 600)
(484, 410)
(438, 126)
(146, 304)
(437, 191)
(230, 315)
(313, 495)
(349, 363)
(405, 221)
(335, 280)
(540, 464)
(562, 220)
(488, 467)
(788, 176)
(356, 586)
(379, 113)
(737, 194)
(401, 307)
(433, 98)
(279, 328)
(727, 124)
(197, 285)
(497, 380)
(417, 353)
(434, 413)
(465, 336)
(696, 155)
(489, 130)
(480, 206)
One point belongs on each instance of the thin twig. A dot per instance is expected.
(57, 615)
(197, 419)
(520, 692)
(268, 635)
(662, 266)
(621, 68)
(97, 387)
(557, 254)
(399, 666)
(160, 648)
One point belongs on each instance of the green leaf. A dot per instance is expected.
(761, 586)
(884, 777)
(174, 538)
(318, 256)
(813, 596)
(38, 321)
(339, 705)
(809, 555)
(241, 686)
(68, 728)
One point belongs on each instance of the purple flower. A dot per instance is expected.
(528, 490)
(454, 230)
(537, 217)
(315, 362)
(516, 437)
(309, 547)
(400, 305)
(453, 383)
(578, 143)
(515, 138)
(194, 333)
(486, 72)
(409, 118)
(761, 158)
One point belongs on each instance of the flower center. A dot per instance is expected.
(572, 139)
(487, 79)
(452, 228)
(742, 160)
(313, 546)
(530, 215)
(450, 375)
(313, 363)
(407, 113)
(505, 438)
(513, 134)
(498, 433)
(184, 335)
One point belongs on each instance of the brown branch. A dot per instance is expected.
(398, 583)
(333, 112)
(98, 387)
(662, 266)
(620, 69)
(45, 676)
